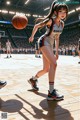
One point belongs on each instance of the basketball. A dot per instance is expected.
(19, 21)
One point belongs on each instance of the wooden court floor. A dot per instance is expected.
(19, 102)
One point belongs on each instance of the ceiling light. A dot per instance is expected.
(72, 11)
(39, 16)
(35, 15)
(11, 12)
(28, 14)
(77, 8)
(47, 8)
(4, 11)
(19, 13)
(8, 2)
(67, 0)
(26, 1)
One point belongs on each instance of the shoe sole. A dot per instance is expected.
(32, 86)
(56, 99)
(3, 85)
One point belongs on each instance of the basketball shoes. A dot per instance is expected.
(54, 96)
(33, 84)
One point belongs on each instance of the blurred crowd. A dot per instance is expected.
(63, 50)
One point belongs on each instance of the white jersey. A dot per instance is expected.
(8, 45)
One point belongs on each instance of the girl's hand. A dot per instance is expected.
(31, 39)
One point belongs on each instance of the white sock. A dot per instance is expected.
(34, 77)
(51, 86)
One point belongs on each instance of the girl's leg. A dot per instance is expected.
(49, 65)
(48, 53)
(45, 69)
(51, 60)
(33, 80)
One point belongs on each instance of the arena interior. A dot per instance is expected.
(17, 100)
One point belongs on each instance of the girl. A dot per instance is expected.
(54, 28)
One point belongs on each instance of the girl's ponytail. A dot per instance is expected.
(54, 4)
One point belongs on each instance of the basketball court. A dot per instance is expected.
(20, 102)
(18, 61)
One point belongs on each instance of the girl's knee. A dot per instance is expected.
(46, 70)
(54, 64)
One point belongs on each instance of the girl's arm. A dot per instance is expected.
(37, 26)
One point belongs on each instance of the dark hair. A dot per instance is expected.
(50, 13)
(55, 6)
(61, 6)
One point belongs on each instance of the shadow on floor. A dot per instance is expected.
(11, 106)
(54, 111)
(50, 110)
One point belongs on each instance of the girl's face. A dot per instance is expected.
(62, 14)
